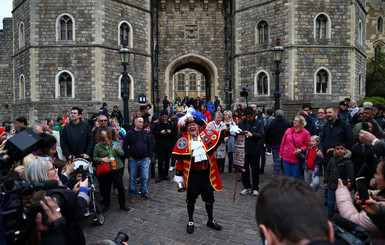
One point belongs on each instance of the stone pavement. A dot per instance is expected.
(163, 220)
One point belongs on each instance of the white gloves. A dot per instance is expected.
(178, 179)
(234, 130)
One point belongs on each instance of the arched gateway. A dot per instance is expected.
(195, 62)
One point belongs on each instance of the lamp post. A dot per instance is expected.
(125, 54)
(277, 51)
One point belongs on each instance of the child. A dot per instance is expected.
(147, 127)
(313, 163)
(75, 178)
(339, 167)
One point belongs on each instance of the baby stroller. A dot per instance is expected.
(85, 167)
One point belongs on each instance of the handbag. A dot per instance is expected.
(103, 169)
(300, 156)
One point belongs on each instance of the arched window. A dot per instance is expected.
(360, 33)
(263, 32)
(203, 83)
(130, 87)
(65, 27)
(377, 49)
(322, 26)
(21, 87)
(193, 82)
(21, 35)
(380, 24)
(322, 81)
(125, 33)
(262, 83)
(64, 85)
(181, 82)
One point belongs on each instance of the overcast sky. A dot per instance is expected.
(5, 10)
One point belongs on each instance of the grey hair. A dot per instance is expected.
(368, 104)
(136, 119)
(218, 113)
(371, 109)
(100, 117)
(37, 170)
(279, 113)
(36, 128)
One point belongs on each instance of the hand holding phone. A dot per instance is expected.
(362, 189)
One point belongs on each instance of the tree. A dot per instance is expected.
(375, 76)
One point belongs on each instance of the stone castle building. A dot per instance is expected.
(58, 54)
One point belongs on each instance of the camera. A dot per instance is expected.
(121, 237)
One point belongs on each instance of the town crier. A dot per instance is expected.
(196, 165)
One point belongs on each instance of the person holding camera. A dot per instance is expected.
(349, 211)
(72, 204)
(286, 213)
(339, 167)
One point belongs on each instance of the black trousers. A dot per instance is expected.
(253, 163)
(163, 162)
(199, 184)
(105, 183)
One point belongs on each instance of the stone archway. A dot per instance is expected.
(198, 63)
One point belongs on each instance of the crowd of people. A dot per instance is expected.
(335, 145)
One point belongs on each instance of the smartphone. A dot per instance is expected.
(115, 143)
(362, 188)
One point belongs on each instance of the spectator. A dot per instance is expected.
(107, 153)
(76, 138)
(339, 166)
(165, 103)
(117, 114)
(295, 141)
(217, 102)
(66, 117)
(210, 106)
(313, 164)
(253, 130)
(230, 140)
(369, 139)
(206, 113)
(349, 211)
(379, 117)
(103, 126)
(282, 221)
(237, 116)
(104, 110)
(137, 148)
(367, 115)
(319, 122)
(142, 113)
(219, 125)
(21, 124)
(308, 118)
(274, 134)
(59, 124)
(165, 132)
(343, 113)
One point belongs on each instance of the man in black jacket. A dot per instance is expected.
(137, 148)
(165, 133)
(117, 114)
(273, 135)
(335, 130)
(76, 138)
(253, 130)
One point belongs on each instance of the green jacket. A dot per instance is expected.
(58, 127)
(331, 176)
(101, 151)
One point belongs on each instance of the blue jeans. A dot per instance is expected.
(277, 162)
(331, 201)
(144, 166)
(292, 169)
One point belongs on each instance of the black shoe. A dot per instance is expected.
(105, 208)
(125, 208)
(214, 225)
(159, 179)
(167, 178)
(190, 227)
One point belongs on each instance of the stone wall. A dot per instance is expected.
(376, 9)
(6, 84)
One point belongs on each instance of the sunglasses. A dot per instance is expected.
(103, 121)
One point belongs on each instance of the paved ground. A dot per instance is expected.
(163, 220)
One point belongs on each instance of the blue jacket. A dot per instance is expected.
(210, 107)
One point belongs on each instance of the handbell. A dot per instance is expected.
(181, 187)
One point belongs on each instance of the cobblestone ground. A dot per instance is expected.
(163, 220)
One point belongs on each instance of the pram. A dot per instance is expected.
(94, 207)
